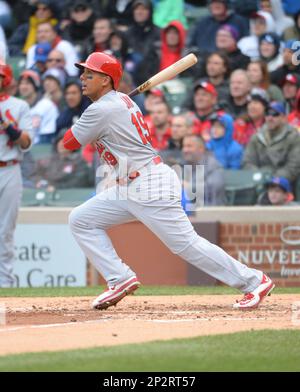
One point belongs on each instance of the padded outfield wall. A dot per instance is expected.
(267, 238)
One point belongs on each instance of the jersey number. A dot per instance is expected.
(139, 122)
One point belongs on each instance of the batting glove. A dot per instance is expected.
(12, 131)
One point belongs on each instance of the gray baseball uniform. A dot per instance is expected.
(116, 124)
(10, 183)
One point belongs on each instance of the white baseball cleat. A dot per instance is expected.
(114, 294)
(253, 299)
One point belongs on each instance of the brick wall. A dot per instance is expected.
(271, 247)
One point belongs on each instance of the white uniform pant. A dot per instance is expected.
(10, 197)
(154, 199)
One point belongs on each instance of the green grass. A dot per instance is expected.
(144, 290)
(246, 351)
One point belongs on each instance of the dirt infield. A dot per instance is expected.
(51, 324)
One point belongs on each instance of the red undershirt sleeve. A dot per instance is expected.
(70, 142)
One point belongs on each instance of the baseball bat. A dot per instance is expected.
(166, 74)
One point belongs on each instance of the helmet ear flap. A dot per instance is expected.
(7, 73)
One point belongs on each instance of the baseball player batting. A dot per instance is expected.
(15, 138)
(149, 191)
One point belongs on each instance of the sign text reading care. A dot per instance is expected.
(47, 256)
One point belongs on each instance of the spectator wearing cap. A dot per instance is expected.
(278, 193)
(240, 87)
(43, 111)
(80, 26)
(41, 54)
(205, 105)
(227, 151)
(294, 116)
(293, 32)
(270, 51)
(99, 41)
(290, 88)
(276, 148)
(160, 130)
(54, 81)
(26, 35)
(261, 22)
(152, 97)
(203, 36)
(259, 77)
(172, 44)
(226, 40)
(291, 63)
(47, 33)
(251, 122)
(144, 38)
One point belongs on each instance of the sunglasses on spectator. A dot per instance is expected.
(272, 113)
(54, 60)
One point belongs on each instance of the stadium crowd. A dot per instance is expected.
(237, 109)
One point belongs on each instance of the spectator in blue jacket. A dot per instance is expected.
(227, 151)
(204, 34)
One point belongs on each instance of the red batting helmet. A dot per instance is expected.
(7, 73)
(102, 62)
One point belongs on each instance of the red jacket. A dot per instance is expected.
(169, 56)
(244, 130)
(160, 142)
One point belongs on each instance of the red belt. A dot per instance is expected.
(8, 163)
(132, 176)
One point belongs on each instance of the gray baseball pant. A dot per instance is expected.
(154, 199)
